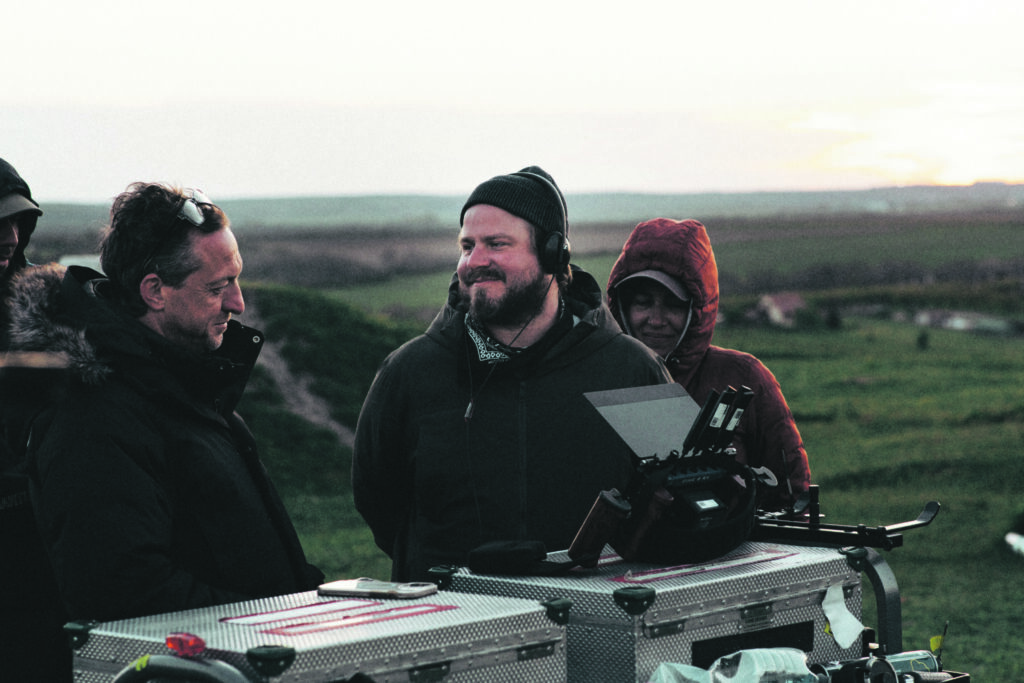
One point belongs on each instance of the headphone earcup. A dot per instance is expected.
(556, 253)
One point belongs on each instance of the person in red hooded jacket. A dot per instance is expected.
(663, 290)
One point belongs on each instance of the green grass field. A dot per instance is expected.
(888, 426)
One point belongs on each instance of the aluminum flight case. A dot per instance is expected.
(626, 618)
(447, 637)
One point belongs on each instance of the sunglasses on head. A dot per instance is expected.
(190, 210)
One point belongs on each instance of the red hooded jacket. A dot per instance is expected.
(767, 435)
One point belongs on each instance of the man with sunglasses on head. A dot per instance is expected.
(148, 489)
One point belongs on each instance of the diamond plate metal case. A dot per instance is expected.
(626, 618)
(305, 637)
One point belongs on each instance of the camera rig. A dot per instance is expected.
(668, 491)
(811, 530)
(688, 505)
(702, 487)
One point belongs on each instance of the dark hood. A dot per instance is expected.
(12, 183)
(681, 249)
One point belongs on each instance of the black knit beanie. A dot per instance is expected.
(524, 196)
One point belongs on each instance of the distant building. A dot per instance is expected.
(780, 309)
(963, 321)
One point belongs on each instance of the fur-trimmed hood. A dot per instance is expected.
(39, 323)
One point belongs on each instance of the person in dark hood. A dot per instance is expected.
(32, 644)
(18, 216)
(478, 430)
(147, 486)
(663, 290)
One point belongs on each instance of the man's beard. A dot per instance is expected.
(520, 304)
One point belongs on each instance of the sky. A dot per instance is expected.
(245, 98)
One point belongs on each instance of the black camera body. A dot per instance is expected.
(689, 506)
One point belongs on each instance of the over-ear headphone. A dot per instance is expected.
(555, 252)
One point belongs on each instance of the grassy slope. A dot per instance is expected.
(341, 348)
(888, 427)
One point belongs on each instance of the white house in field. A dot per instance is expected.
(780, 309)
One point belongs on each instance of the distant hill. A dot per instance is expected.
(431, 212)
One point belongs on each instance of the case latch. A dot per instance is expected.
(270, 660)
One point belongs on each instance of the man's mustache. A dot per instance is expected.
(478, 274)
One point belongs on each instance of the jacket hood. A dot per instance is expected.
(681, 249)
(39, 322)
(63, 310)
(16, 197)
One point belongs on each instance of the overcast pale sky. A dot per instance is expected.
(246, 98)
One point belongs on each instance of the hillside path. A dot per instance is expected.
(295, 388)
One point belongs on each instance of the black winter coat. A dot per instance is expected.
(33, 646)
(148, 489)
(530, 462)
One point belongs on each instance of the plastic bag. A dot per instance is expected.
(669, 672)
(765, 665)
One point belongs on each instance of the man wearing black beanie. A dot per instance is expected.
(478, 430)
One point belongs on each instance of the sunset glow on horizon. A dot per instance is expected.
(253, 99)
